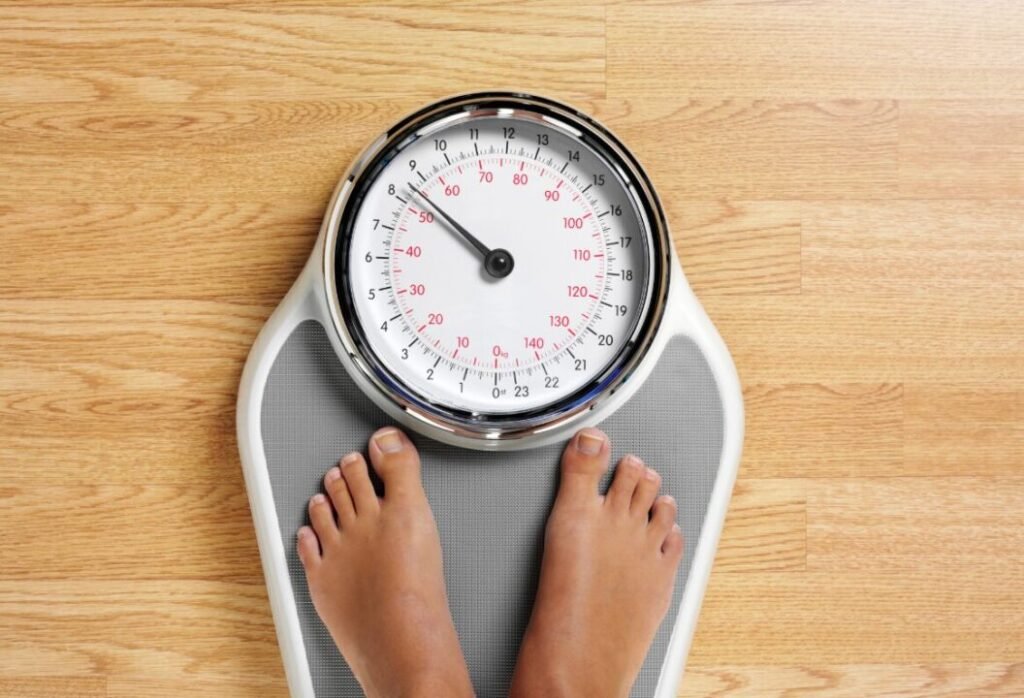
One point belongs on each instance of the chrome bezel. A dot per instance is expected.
(556, 115)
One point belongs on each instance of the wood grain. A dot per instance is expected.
(822, 430)
(171, 532)
(763, 148)
(871, 524)
(185, 630)
(169, 54)
(45, 687)
(905, 247)
(844, 185)
(962, 149)
(993, 680)
(966, 336)
(737, 247)
(233, 252)
(889, 616)
(832, 48)
(766, 528)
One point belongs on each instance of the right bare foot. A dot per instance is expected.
(374, 570)
(606, 580)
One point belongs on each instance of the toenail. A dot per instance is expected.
(350, 458)
(631, 461)
(303, 533)
(319, 498)
(332, 475)
(651, 475)
(589, 444)
(388, 441)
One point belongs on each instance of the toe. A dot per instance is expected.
(646, 491)
(627, 474)
(322, 517)
(673, 546)
(309, 549)
(359, 485)
(397, 461)
(663, 516)
(584, 461)
(337, 490)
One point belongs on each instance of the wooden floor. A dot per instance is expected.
(845, 182)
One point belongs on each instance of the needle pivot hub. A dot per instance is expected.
(499, 263)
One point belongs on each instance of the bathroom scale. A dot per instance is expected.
(493, 273)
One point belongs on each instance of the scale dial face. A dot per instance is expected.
(497, 265)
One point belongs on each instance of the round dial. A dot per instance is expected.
(497, 264)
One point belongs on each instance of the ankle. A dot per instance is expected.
(550, 673)
(428, 683)
(454, 685)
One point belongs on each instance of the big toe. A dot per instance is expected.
(584, 461)
(397, 461)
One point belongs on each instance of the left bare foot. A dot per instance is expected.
(373, 565)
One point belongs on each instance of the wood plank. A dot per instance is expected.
(143, 391)
(834, 49)
(148, 530)
(972, 336)
(823, 430)
(78, 450)
(64, 686)
(906, 247)
(240, 253)
(759, 149)
(992, 679)
(964, 429)
(888, 524)
(766, 529)
(264, 153)
(908, 616)
(260, 152)
(136, 345)
(185, 630)
(736, 247)
(197, 54)
(269, 682)
(962, 149)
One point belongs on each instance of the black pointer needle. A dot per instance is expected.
(498, 263)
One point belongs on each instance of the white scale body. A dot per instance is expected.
(492, 274)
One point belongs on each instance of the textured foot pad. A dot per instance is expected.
(490, 507)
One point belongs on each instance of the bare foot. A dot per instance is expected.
(374, 571)
(606, 579)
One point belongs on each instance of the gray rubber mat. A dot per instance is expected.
(490, 507)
